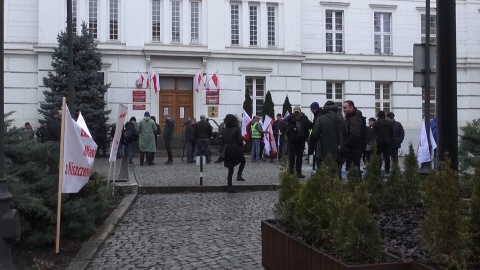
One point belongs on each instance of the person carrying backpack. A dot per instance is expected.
(130, 136)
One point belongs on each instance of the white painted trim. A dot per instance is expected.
(383, 7)
(334, 4)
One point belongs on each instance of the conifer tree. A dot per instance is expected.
(410, 182)
(268, 106)
(248, 104)
(88, 81)
(475, 216)
(286, 106)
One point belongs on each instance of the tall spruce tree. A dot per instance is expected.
(268, 106)
(88, 81)
(286, 106)
(248, 104)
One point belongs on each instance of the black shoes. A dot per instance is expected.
(300, 175)
(151, 163)
(169, 162)
(240, 178)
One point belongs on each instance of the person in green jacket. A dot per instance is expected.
(168, 131)
(146, 142)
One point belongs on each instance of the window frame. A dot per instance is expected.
(192, 22)
(74, 16)
(433, 102)
(333, 95)
(253, 92)
(272, 42)
(423, 29)
(334, 31)
(382, 34)
(93, 10)
(156, 30)
(176, 24)
(239, 24)
(253, 37)
(118, 12)
(381, 101)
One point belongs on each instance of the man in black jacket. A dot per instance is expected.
(54, 126)
(354, 143)
(383, 132)
(317, 111)
(298, 127)
(190, 137)
(397, 136)
(279, 128)
(203, 133)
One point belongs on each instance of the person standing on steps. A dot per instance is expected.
(354, 144)
(203, 133)
(383, 131)
(131, 138)
(168, 132)
(233, 140)
(146, 131)
(158, 132)
(256, 130)
(190, 137)
(397, 136)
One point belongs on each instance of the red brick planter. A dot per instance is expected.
(280, 251)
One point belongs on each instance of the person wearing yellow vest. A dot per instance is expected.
(256, 130)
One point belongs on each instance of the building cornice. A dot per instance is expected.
(383, 7)
(255, 70)
(424, 9)
(334, 4)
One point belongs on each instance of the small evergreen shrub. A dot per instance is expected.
(410, 186)
(353, 178)
(374, 180)
(287, 197)
(32, 177)
(393, 188)
(475, 216)
(357, 235)
(469, 145)
(445, 230)
(318, 202)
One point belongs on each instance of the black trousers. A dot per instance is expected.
(383, 150)
(352, 158)
(295, 155)
(239, 173)
(168, 147)
(150, 157)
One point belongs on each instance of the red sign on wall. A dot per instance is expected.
(139, 96)
(213, 97)
(139, 107)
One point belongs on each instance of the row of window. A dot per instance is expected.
(335, 92)
(334, 24)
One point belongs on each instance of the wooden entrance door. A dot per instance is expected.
(179, 104)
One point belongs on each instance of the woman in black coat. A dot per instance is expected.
(233, 140)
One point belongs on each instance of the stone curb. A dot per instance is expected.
(89, 249)
(182, 189)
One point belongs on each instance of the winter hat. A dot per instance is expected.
(314, 106)
(297, 109)
(146, 114)
(381, 114)
(330, 106)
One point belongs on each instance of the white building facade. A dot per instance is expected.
(310, 50)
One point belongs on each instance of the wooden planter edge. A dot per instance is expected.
(280, 251)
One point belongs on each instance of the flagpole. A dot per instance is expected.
(60, 178)
(114, 173)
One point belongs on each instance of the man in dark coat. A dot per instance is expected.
(168, 132)
(383, 132)
(190, 137)
(317, 111)
(233, 140)
(397, 136)
(328, 134)
(354, 143)
(298, 127)
(54, 126)
(203, 133)
(131, 139)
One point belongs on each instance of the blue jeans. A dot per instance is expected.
(131, 150)
(190, 150)
(255, 149)
(202, 148)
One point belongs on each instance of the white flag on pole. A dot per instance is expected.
(423, 149)
(78, 154)
(245, 122)
(268, 139)
(122, 114)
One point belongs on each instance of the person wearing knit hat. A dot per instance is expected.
(146, 114)
(297, 133)
(317, 111)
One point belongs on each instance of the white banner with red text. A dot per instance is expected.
(122, 114)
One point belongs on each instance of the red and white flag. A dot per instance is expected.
(122, 115)
(268, 138)
(79, 151)
(207, 81)
(156, 82)
(246, 120)
(149, 78)
(140, 80)
(198, 80)
(215, 80)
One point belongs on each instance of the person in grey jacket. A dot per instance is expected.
(146, 133)
(397, 136)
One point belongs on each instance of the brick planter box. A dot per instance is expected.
(281, 251)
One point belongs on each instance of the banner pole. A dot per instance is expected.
(60, 178)
(114, 174)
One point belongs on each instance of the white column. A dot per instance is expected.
(245, 25)
(103, 14)
(135, 11)
(292, 26)
(52, 17)
(262, 26)
(166, 19)
(281, 26)
(185, 24)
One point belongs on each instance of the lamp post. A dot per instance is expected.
(9, 220)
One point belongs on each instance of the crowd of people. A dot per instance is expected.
(347, 138)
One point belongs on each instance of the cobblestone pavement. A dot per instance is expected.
(189, 231)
